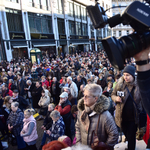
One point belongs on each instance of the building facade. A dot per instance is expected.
(53, 26)
(121, 30)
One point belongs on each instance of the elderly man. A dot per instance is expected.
(29, 89)
(23, 104)
(64, 107)
(58, 126)
(73, 88)
(92, 107)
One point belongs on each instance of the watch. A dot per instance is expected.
(143, 62)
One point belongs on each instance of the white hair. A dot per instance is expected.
(94, 89)
(78, 147)
(55, 114)
(70, 78)
(28, 82)
(15, 104)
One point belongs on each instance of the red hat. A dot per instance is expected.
(54, 145)
(65, 139)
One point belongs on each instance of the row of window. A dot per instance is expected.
(74, 9)
(42, 23)
(120, 33)
(78, 10)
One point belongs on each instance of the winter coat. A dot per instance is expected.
(74, 90)
(21, 86)
(16, 120)
(102, 83)
(107, 130)
(7, 93)
(23, 103)
(45, 83)
(36, 95)
(33, 136)
(57, 129)
(48, 121)
(121, 86)
(44, 101)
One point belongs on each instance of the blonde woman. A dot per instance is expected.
(29, 131)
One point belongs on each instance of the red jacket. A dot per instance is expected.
(7, 93)
(45, 83)
(147, 134)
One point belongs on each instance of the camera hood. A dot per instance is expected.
(137, 15)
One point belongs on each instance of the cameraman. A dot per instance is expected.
(143, 79)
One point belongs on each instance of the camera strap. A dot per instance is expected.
(142, 62)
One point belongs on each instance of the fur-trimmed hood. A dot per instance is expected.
(102, 104)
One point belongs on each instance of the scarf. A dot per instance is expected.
(85, 116)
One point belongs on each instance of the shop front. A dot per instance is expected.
(79, 44)
(62, 48)
(44, 42)
(99, 44)
(19, 45)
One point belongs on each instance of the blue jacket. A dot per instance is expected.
(57, 129)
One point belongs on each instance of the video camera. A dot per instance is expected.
(137, 15)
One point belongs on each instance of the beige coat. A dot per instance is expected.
(107, 130)
(44, 101)
(121, 86)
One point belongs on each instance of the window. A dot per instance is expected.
(127, 32)
(70, 12)
(92, 31)
(84, 29)
(45, 4)
(14, 20)
(114, 33)
(59, 7)
(99, 32)
(72, 27)
(78, 28)
(102, 4)
(119, 33)
(104, 34)
(113, 14)
(31, 3)
(15, 1)
(83, 13)
(61, 26)
(113, 5)
(77, 11)
(40, 23)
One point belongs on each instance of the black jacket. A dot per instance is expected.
(48, 121)
(21, 86)
(23, 104)
(36, 95)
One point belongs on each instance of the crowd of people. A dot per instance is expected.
(81, 98)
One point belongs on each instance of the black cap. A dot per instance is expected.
(15, 91)
(129, 69)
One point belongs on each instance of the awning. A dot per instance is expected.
(42, 44)
(80, 43)
(18, 44)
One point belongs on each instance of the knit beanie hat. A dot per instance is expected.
(65, 139)
(129, 69)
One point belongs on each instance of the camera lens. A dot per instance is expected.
(125, 47)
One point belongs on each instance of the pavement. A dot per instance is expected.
(140, 145)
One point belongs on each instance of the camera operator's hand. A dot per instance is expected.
(118, 99)
(143, 55)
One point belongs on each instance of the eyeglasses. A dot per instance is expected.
(87, 97)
